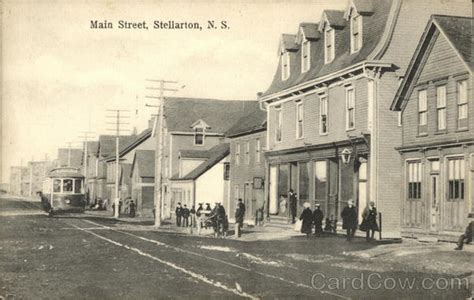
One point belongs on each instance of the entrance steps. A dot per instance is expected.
(279, 222)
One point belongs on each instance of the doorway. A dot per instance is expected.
(434, 202)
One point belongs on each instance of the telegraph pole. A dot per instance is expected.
(117, 124)
(159, 145)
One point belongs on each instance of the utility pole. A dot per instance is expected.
(85, 136)
(158, 130)
(117, 129)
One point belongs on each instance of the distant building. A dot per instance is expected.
(19, 181)
(208, 182)
(38, 172)
(143, 181)
(70, 157)
(193, 124)
(437, 150)
(247, 164)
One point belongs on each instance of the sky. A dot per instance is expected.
(59, 76)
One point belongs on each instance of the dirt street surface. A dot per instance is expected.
(85, 256)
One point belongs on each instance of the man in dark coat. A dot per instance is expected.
(293, 204)
(239, 216)
(185, 216)
(369, 221)
(178, 212)
(307, 218)
(349, 219)
(318, 217)
(468, 234)
(131, 207)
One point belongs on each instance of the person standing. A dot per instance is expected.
(307, 218)
(221, 219)
(293, 204)
(239, 217)
(369, 221)
(468, 234)
(131, 207)
(45, 204)
(349, 219)
(185, 215)
(318, 217)
(178, 213)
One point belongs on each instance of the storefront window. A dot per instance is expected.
(456, 179)
(414, 180)
(320, 179)
(283, 181)
(304, 181)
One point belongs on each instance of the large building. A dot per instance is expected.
(331, 135)
(437, 150)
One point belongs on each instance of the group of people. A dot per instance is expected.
(349, 220)
(184, 214)
(130, 208)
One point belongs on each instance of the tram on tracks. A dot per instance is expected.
(64, 189)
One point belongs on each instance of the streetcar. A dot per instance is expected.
(64, 189)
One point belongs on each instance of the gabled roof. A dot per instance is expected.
(75, 159)
(194, 154)
(220, 115)
(374, 28)
(254, 122)
(144, 162)
(310, 31)
(457, 30)
(363, 7)
(132, 144)
(216, 154)
(107, 144)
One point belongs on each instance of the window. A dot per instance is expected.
(329, 44)
(350, 108)
(198, 136)
(285, 66)
(304, 168)
(299, 119)
(57, 186)
(356, 33)
(226, 171)
(247, 153)
(78, 186)
(462, 104)
(323, 115)
(456, 179)
(441, 107)
(320, 179)
(414, 180)
(257, 151)
(237, 154)
(305, 56)
(422, 112)
(67, 186)
(278, 121)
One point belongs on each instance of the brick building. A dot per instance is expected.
(437, 150)
(247, 164)
(331, 135)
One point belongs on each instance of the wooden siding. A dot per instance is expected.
(336, 117)
(442, 66)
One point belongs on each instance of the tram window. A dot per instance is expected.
(67, 185)
(78, 186)
(57, 186)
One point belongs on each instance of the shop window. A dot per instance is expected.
(456, 172)
(304, 180)
(414, 180)
(320, 179)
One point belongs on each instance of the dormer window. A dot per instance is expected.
(199, 127)
(356, 32)
(329, 41)
(285, 65)
(305, 56)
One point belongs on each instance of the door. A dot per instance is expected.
(434, 202)
(273, 187)
(454, 206)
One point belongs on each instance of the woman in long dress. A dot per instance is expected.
(307, 218)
